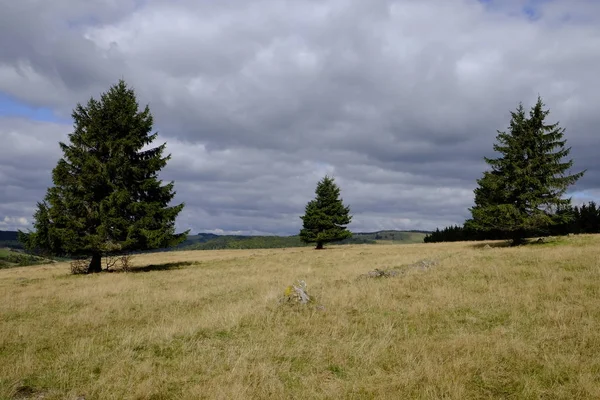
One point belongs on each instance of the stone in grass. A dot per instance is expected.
(424, 264)
(296, 293)
(380, 273)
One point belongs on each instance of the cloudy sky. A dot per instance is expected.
(257, 100)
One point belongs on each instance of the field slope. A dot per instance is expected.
(478, 323)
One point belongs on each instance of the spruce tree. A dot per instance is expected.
(523, 191)
(107, 197)
(588, 218)
(325, 216)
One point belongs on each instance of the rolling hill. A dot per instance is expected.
(210, 241)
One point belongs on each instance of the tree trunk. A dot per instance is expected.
(517, 238)
(319, 246)
(95, 263)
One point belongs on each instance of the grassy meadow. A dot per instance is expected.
(482, 322)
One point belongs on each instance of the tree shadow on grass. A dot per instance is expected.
(162, 267)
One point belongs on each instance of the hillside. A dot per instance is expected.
(220, 242)
(458, 321)
(394, 236)
(10, 257)
(208, 241)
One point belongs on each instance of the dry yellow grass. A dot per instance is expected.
(484, 323)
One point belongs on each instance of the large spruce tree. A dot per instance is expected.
(325, 216)
(523, 192)
(107, 197)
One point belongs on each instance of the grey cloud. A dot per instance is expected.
(29, 152)
(400, 100)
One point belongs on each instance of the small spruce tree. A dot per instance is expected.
(325, 216)
(107, 197)
(523, 192)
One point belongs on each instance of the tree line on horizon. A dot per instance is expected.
(584, 219)
(107, 198)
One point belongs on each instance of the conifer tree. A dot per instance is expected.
(107, 197)
(325, 216)
(524, 190)
(589, 218)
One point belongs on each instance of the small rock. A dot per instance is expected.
(424, 264)
(297, 293)
(380, 273)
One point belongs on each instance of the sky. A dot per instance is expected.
(399, 100)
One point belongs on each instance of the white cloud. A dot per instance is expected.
(12, 222)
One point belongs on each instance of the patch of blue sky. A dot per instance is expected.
(530, 10)
(11, 107)
(581, 197)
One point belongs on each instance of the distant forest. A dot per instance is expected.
(585, 219)
(9, 239)
(209, 241)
